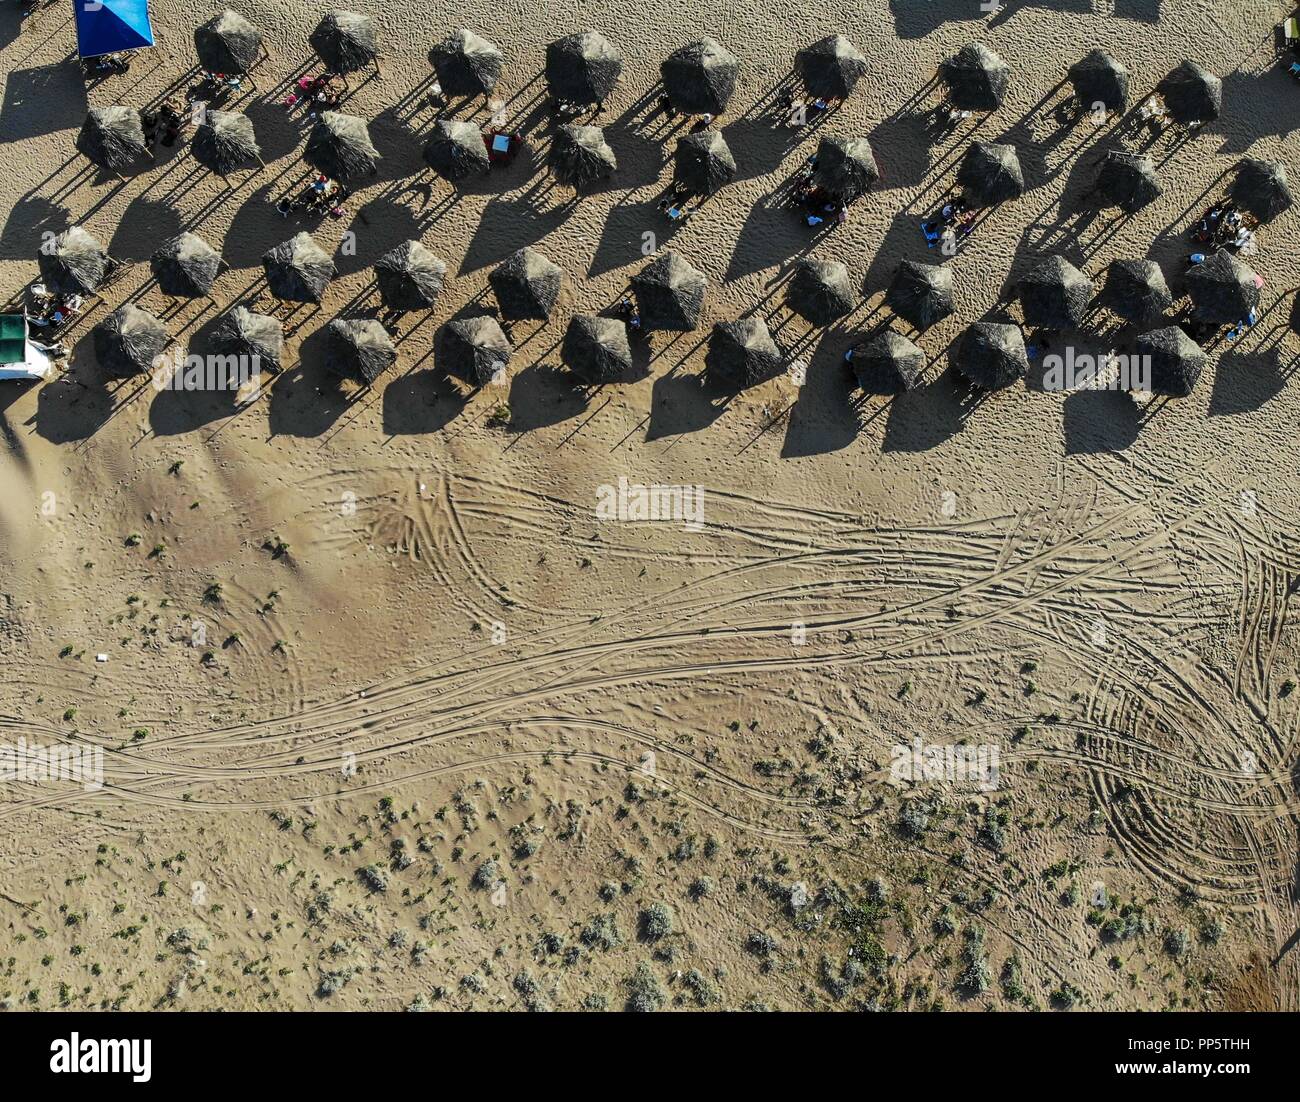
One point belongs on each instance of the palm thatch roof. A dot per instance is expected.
(410, 277)
(990, 173)
(1176, 361)
(467, 64)
(1223, 289)
(456, 149)
(669, 293)
(186, 266)
(224, 141)
(1262, 188)
(298, 270)
(596, 349)
(345, 41)
(579, 155)
(700, 77)
(976, 78)
(1127, 181)
(339, 146)
(703, 162)
(888, 363)
(582, 68)
(1054, 294)
(474, 349)
(241, 332)
(820, 291)
(112, 137)
(358, 348)
(830, 68)
(921, 294)
(1136, 291)
(526, 285)
(992, 355)
(846, 167)
(742, 353)
(227, 43)
(75, 263)
(1192, 94)
(128, 341)
(1099, 78)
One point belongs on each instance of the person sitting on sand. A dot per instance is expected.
(328, 93)
(628, 309)
(171, 121)
(39, 299)
(1244, 239)
(1241, 326)
(672, 211)
(66, 311)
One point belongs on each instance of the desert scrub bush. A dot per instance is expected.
(601, 932)
(374, 878)
(862, 922)
(655, 922)
(526, 985)
(945, 922)
(1212, 932)
(333, 982)
(974, 978)
(1013, 987)
(1065, 997)
(838, 981)
(698, 985)
(760, 944)
(645, 994)
(877, 890)
(1128, 922)
(1177, 942)
(991, 831)
(486, 875)
(914, 818)
(701, 888)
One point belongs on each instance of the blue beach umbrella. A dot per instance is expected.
(109, 26)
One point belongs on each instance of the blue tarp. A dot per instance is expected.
(107, 26)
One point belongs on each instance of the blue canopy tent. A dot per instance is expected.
(109, 26)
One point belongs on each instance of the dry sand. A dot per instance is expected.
(452, 629)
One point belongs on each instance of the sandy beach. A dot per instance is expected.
(392, 716)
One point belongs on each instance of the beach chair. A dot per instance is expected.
(21, 358)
